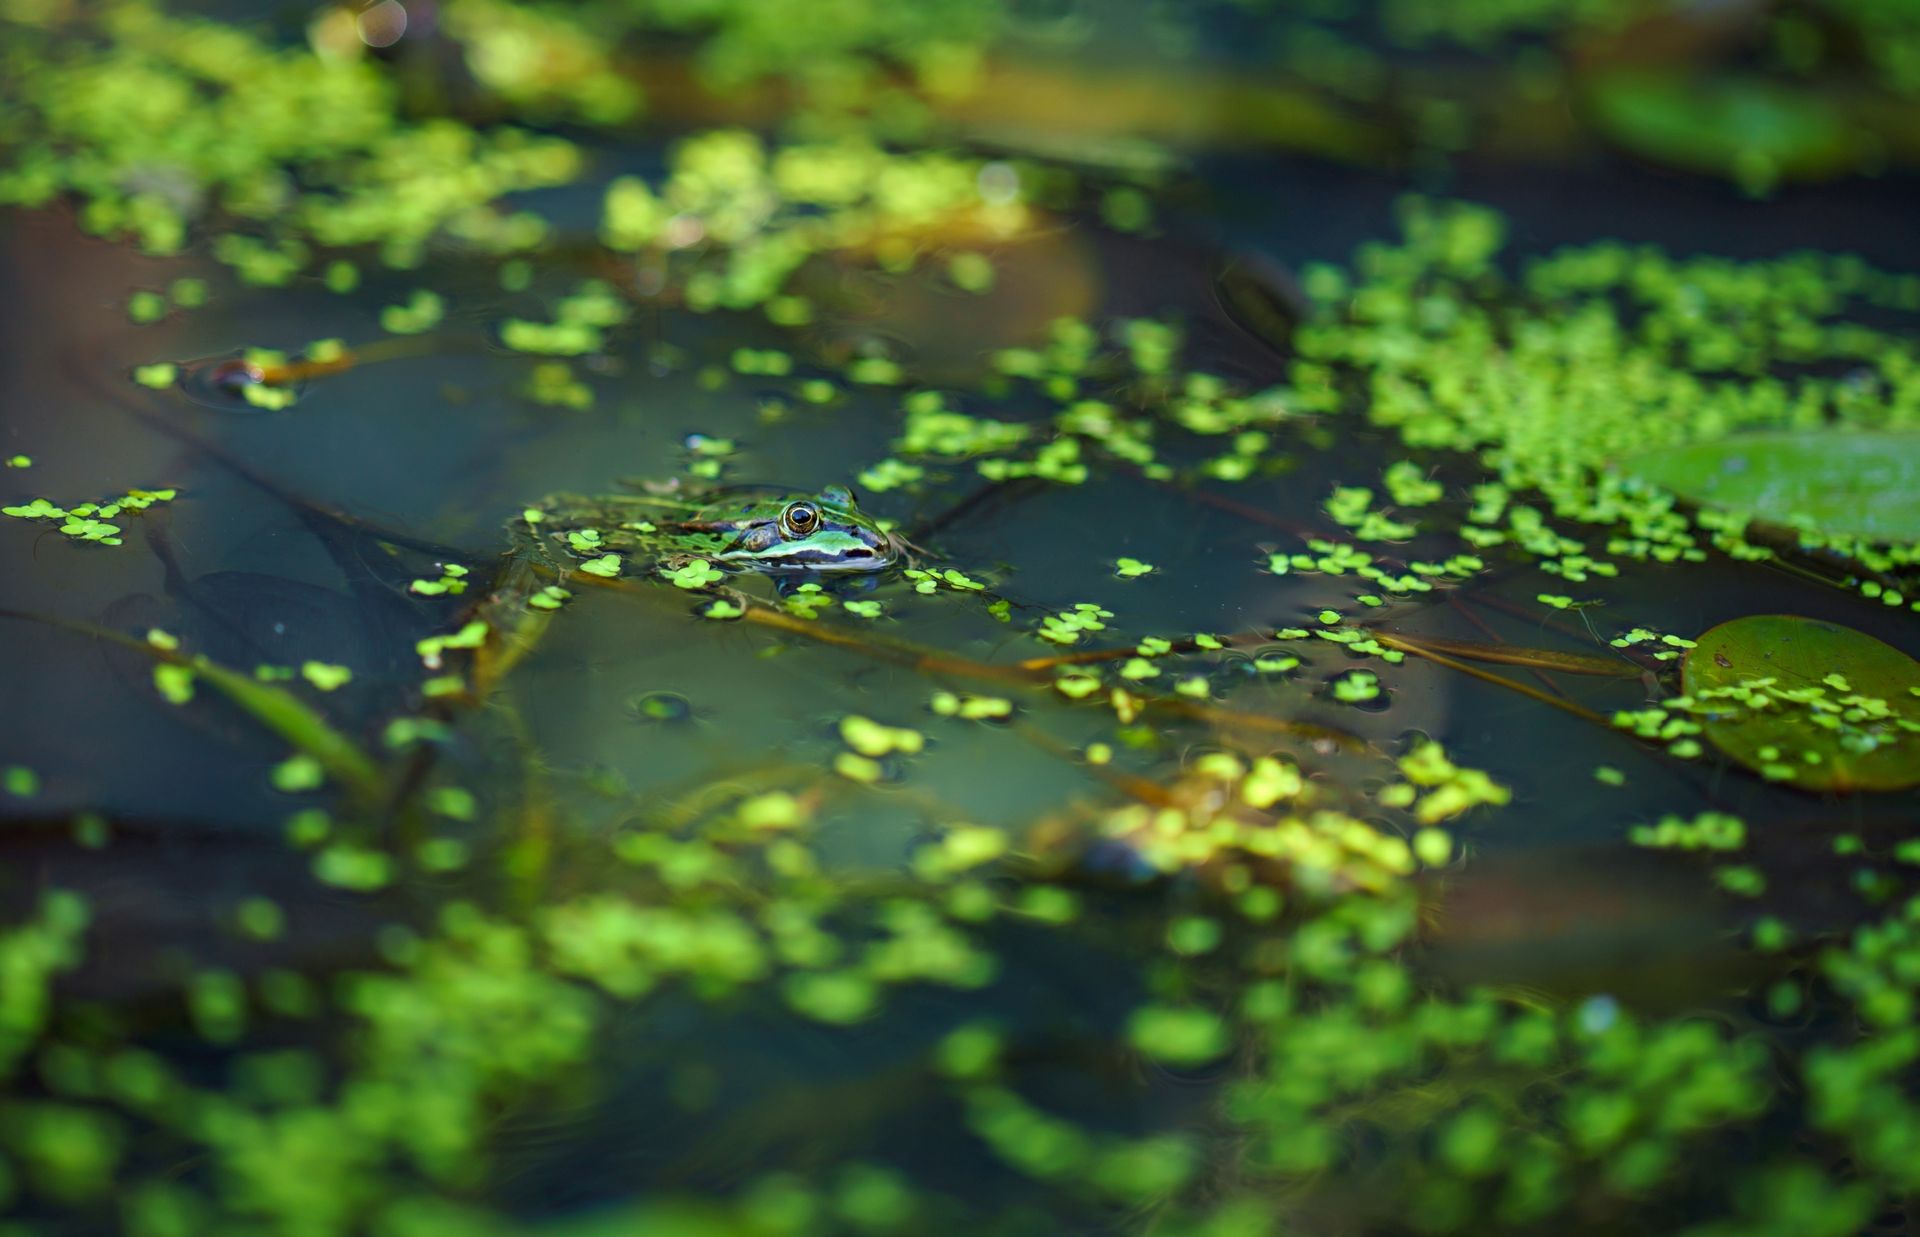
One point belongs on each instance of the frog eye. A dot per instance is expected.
(799, 519)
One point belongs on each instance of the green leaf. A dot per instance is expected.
(1760, 685)
(1751, 130)
(1178, 1035)
(1865, 484)
(326, 676)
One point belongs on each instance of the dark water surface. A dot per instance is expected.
(699, 1089)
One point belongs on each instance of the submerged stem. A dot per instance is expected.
(1440, 659)
(1511, 655)
(275, 708)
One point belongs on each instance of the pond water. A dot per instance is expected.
(1265, 795)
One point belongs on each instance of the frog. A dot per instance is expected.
(760, 530)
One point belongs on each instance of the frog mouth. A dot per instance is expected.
(826, 560)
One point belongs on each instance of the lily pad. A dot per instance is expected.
(1812, 704)
(1755, 131)
(1864, 484)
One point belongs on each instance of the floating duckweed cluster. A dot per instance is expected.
(769, 210)
(1812, 704)
(1602, 353)
(161, 120)
(1707, 831)
(542, 65)
(91, 521)
(474, 1011)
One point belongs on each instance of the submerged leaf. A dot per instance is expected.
(1864, 484)
(1812, 704)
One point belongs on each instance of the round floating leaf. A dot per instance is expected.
(1864, 484)
(1757, 132)
(1812, 704)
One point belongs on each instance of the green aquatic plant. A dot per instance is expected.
(1749, 130)
(1551, 401)
(166, 119)
(1859, 484)
(320, 747)
(90, 521)
(1248, 902)
(32, 952)
(769, 209)
(1817, 705)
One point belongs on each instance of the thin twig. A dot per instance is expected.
(1534, 693)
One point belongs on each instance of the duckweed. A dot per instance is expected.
(19, 781)
(971, 708)
(871, 738)
(1178, 1036)
(422, 312)
(1262, 906)
(1356, 687)
(88, 522)
(697, 574)
(1777, 694)
(1707, 831)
